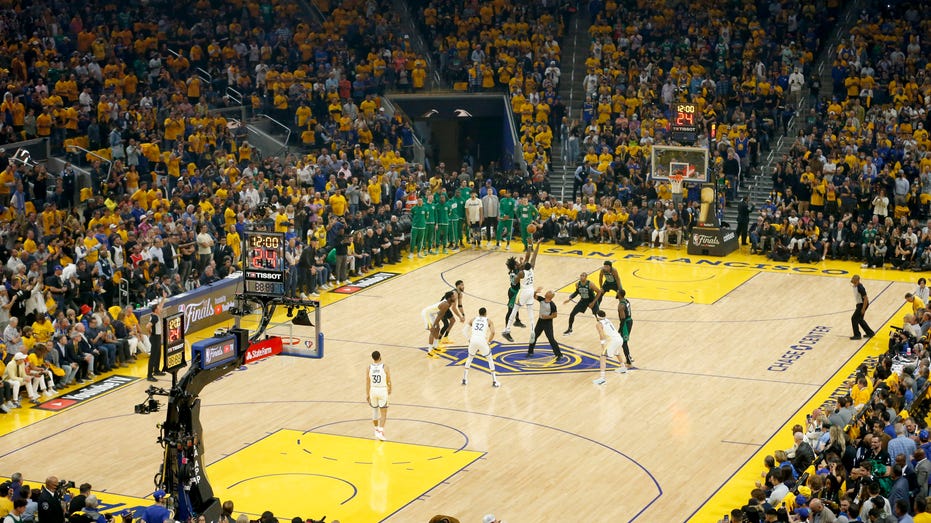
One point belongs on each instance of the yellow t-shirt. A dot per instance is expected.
(43, 331)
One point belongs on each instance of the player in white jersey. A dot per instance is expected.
(611, 343)
(377, 389)
(480, 332)
(525, 294)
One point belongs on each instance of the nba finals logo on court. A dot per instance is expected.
(512, 359)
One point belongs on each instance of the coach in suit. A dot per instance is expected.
(86, 352)
(50, 509)
(922, 472)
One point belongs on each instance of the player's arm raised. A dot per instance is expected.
(533, 256)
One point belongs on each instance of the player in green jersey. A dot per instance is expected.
(430, 221)
(507, 206)
(526, 214)
(442, 221)
(418, 228)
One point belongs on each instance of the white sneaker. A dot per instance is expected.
(621, 370)
(599, 381)
(495, 384)
(379, 435)
(52, 392)
(4, 409)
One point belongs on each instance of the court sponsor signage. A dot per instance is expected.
(263, 349)
(203, 307)
(364, 283)
(88, 392)
(712, 241)
(803, 346)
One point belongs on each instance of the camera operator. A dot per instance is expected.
(902, 340)
(51, 508)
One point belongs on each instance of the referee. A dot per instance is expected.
(545, 323)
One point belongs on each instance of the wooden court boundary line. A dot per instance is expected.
(738, 485)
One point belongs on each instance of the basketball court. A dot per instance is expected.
(728, 351)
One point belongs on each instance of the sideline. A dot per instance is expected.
(735, 491)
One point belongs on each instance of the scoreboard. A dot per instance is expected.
(263, 263)
(684, 128)
(173, 341)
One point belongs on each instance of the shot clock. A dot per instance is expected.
(263, 263)
(684, 127)
(173, 342)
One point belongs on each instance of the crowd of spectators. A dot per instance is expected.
(136, 86)
(862, 457)
(856, 184)
(171, 183)
(57, 501)
(512, 47)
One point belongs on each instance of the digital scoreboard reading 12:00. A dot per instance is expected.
(174, 342)
(684, 126)
(264, 263)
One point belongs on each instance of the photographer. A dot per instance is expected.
(902, 340)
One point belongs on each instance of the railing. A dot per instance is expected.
(30, 152)
(238, 112)
(205, 76)
(418, 151)
(73, 149)
(287, 130)
(518, 159)
(234, 96)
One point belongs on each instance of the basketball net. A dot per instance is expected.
(675, 183)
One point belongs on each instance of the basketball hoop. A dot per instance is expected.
(675, 182)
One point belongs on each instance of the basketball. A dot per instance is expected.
(531, 228)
